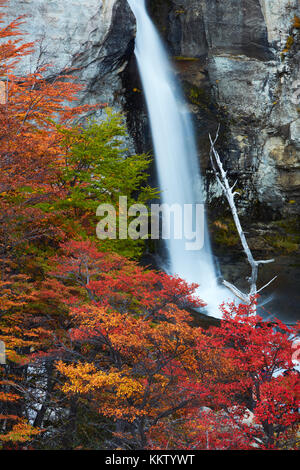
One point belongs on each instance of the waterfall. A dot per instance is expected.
(176, 157)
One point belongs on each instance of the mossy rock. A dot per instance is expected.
(185, 59)
(287, 237)
(198, 96)
(224, 233)
(159, 11)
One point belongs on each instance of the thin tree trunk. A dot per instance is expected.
(221, 176)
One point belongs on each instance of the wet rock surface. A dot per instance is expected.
(244, 76)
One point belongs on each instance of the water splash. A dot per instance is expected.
(176, 156)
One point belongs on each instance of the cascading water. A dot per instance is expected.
(176, 157)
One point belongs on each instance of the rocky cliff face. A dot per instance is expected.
(239, 65)
(240, 62)
(93, 37)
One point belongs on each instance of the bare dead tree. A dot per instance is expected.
(221, 176)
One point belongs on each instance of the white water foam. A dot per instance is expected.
(176, 156)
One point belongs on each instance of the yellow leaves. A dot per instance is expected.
(13, 356)
(127, 388)
(21, 432)
(130, 413)
(162, 380)
(220, 225)
(115, 387)
(78, 375)
(84, 378)
(296, 22)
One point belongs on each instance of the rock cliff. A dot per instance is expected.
(92, 37)
(239, 65)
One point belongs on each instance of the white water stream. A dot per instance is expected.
(176, 158)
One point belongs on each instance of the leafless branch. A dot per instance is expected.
(221, 176)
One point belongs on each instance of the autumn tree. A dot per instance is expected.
(97, 168)
(263, 352)
(252, 388)
(29, 141)
(29, 164)
(20, 335)
(53, 171)
(129, 334)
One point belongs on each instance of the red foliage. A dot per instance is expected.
(252, 389)
(114, 281)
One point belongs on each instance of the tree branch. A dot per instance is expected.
(221, 176)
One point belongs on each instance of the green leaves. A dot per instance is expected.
(97, 169)
(98, 165)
